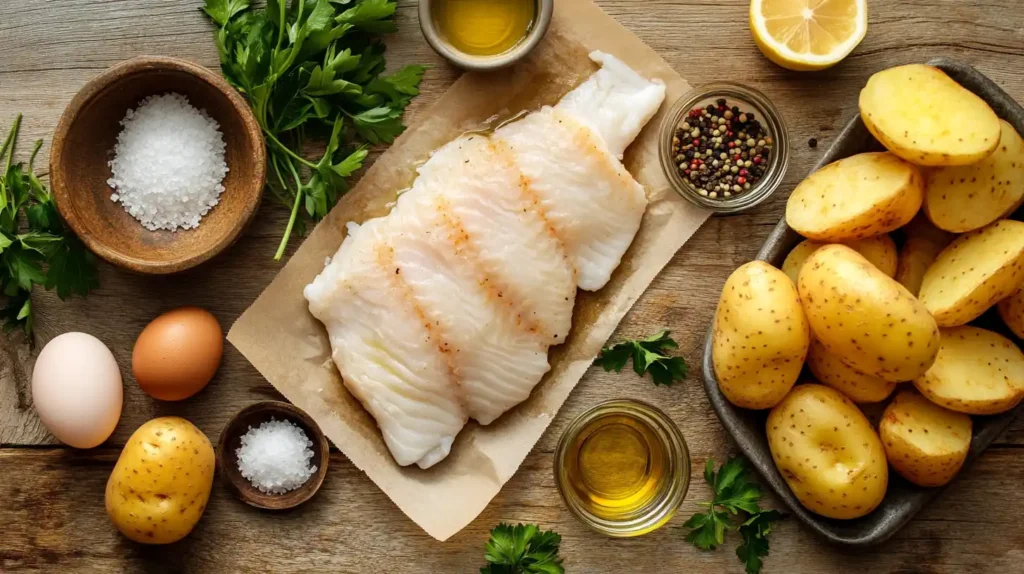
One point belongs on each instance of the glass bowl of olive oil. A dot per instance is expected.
(623, 468)
(484, 34)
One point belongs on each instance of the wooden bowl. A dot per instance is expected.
(84, 143)
(231, 439)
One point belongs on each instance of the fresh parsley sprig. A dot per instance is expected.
(522, 549)
(735, 497)
(648, 357)
(36, 247)
(314, 65)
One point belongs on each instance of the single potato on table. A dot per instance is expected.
(827, 452)
(966, 198)
(868, 320)
(974, 273)
(855, 198)
(760, 337)
(925, 117)
(924, 442)
(1011, 310)
(879, 250)
(831, 371)
(161, 482)
(977, 372)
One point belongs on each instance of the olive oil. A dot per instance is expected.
(623, 468)
(615, 466)
(483, 27)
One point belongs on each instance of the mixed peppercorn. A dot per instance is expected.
(722, 151)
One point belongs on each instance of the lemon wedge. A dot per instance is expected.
(808, 35)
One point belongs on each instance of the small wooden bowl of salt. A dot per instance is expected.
(158, 164)
(272, 455)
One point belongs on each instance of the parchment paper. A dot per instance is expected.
(290, 348)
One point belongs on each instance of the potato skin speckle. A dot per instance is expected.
(161, 482)
(832, 371)
(760, 336)
(866, 319)
(827, 452)
(1011, 310)
(924, 442)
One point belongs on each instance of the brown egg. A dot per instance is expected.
(177, 354)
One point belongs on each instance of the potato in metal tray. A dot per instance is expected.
(868, 320)
(922, 115)
(855, 198)
(975, 272)
(924, 442)
(977, 372)
(966, 198)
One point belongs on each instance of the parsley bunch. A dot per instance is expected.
(314, 65)
(648, 357)
(734, 497)
(36, 248)
(522, 549)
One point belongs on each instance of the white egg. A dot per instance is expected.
(76, 388)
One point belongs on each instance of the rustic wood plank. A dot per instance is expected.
(352, 527)
(51, 498)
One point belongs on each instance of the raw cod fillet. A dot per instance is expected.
(444, 310)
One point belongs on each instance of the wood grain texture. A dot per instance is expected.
(51, 498)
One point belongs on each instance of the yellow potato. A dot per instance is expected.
(965, 198)
(977, 372)
(855, 198)
(868, 320)
(1011, 310)
(860, 388)
(827, 452)
(922, 115)
(924, 442)
(879, 250)
(975, 272)
(760, 337)
(161, 481)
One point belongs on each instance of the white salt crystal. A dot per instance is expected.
(275, 457)
(168, 164)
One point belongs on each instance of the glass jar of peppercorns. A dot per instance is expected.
(724, 147)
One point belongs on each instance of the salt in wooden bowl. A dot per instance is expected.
(83, 145)
(231, 439)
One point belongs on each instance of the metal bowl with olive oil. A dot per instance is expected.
(484, 34)
(623, 468)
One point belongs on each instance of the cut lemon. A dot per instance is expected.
(808, 34)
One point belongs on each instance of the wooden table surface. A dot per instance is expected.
(51, 497)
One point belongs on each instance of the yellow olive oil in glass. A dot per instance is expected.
(483, 27)
(615, 465)
(622, 468)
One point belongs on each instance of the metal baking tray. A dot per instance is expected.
(902, 500)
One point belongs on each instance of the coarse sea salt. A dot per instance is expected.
(275, 457)
(168, 165)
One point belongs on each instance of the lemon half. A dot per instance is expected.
(808, 35)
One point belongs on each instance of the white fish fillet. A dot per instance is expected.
(444, 309)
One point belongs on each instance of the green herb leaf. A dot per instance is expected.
(221, 11)
(35, 244)
(648, 357)
(379, 125)
(522, 549)
(371, 15)
(755, 533)
(734, 495)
